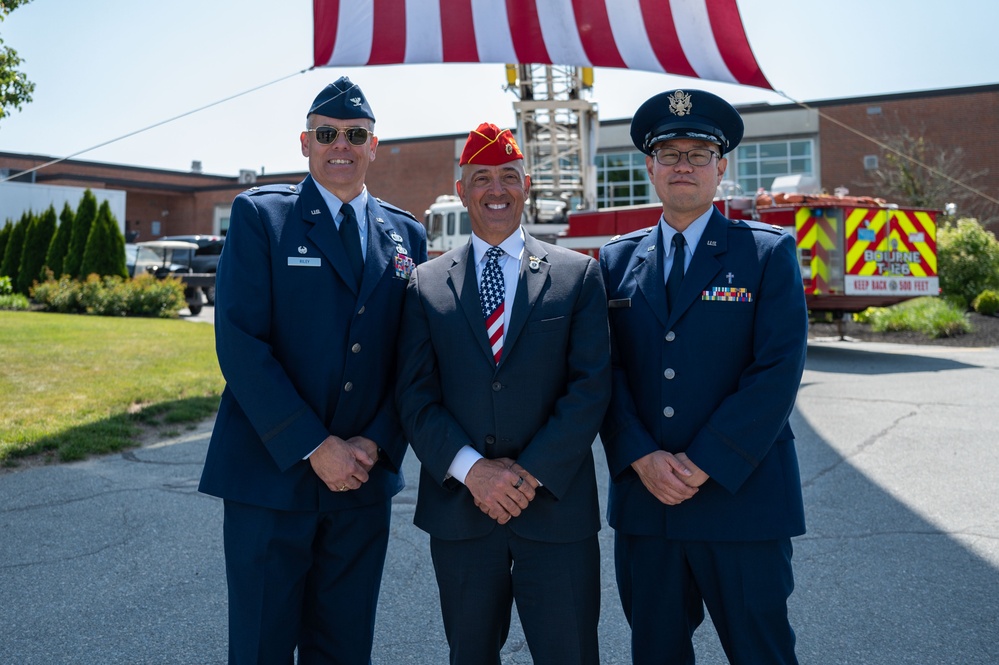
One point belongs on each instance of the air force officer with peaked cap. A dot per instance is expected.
(708, 330)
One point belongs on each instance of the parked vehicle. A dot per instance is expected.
(162, 258)
(854, 252)
(206, 257)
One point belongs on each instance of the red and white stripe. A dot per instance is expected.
(698, 38)
(494, 328)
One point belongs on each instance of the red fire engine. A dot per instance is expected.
(854, 252)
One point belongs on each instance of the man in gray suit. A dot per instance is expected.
(504, 379)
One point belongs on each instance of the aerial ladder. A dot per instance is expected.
(557, 132)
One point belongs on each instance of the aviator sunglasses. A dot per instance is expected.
(327, 135)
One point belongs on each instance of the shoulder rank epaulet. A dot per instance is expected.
(752, 225)
(631, 235)
(273, 189)
(394, 208)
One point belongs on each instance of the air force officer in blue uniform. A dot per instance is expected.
(709, 336)
(307, 445)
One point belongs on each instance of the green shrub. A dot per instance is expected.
(36, 244)
(967, 260)
(933, 317)
(60, 240)
(10, 262)
(14, 301)
(986, 303)
(86, 213)
(105, 249)
(112, 296)
(161, 298)
(6, 286)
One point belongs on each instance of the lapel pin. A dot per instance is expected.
(302, 249)
(534, 263)
(711, 243)
(651, 248)
(395, 236)
(315, 212)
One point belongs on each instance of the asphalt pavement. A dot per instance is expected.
(118, 559)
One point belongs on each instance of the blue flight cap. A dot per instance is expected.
(342, 99)
(676, 114)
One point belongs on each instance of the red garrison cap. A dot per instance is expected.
(489, 145)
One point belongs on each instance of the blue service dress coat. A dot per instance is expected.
(306, 353)
(715, 378)
(542, 405)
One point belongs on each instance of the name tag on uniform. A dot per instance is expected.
(305, 261)
(619, 303)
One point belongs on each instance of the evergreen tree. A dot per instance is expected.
(105, 251)
(86, 213)
(15, 246)
(60, 241)
(36, 243)
(5, 236)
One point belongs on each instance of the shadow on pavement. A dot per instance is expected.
(119, 559)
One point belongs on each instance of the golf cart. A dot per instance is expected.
(163, 258)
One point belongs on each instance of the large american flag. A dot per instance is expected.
(698, 38)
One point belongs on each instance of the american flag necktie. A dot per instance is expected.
(492, 294)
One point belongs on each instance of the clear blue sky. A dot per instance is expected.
(105, 68)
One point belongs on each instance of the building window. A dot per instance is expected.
(870, 162)
(757, 164)
(622, 180)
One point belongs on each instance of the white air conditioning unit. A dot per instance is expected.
(795, 184)
(247, 176)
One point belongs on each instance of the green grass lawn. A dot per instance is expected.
(73, 386)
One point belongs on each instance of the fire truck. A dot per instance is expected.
(854, 252)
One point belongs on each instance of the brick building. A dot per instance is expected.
(827, 141)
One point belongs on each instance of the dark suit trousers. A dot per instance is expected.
(305, 579)
(745, 586)
(556, 587)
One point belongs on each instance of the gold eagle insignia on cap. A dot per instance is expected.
(679, 103)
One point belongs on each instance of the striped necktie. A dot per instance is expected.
(492, 295)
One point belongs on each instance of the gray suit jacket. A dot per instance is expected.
(542, 405)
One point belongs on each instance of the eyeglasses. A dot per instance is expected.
(699, 157)
(327, 135)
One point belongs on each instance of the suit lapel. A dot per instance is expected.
(462, 277)
(530, 283)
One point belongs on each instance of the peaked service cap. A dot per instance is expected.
(489, 145)
(342, 99)
(696, 114)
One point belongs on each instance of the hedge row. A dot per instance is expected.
(112, 296)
